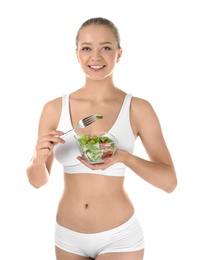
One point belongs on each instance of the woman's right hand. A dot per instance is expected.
(45, 144)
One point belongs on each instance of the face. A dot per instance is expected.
(97, 51)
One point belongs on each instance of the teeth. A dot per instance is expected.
(96, 67)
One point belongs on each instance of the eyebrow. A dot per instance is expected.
(102, 43)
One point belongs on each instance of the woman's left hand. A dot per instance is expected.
(107, 161)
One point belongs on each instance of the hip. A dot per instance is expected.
(127, 237)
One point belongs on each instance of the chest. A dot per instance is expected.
(109, 109)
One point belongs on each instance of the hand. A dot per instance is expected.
(46, 143)
(107, 162)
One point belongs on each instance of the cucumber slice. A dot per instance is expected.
(99, 116)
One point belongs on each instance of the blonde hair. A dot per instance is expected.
(102, 22)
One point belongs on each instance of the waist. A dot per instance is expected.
(92, 206)
(85, 186)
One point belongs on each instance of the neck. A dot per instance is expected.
(106, 83)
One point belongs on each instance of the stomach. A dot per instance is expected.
(93, 203)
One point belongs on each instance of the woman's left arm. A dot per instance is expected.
(159, 169)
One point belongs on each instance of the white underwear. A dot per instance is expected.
(127, 237)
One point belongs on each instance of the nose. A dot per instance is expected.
(96, 55)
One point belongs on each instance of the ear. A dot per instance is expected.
(120, 51)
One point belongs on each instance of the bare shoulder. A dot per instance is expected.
(140, 103)
(143, 115)
(53, 105)
(50, 115)
(141, 107)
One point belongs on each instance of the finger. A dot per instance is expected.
(98, 166)
(80, 158)
(52, 139)
(56, 140)
(91, 166)
(45, 145)
(46, 148)
(53, 133)
(56, 132)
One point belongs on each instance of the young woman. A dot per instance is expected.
(95, 217)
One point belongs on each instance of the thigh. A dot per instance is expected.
(63, 255)
(137, 255)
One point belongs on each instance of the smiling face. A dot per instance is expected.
(97, 51)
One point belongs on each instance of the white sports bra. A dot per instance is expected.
(66, 153)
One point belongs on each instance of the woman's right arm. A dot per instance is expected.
(39, 168)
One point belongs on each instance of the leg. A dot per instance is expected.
(69, 245)
(63, 255)
(137, 255)
(125, 243)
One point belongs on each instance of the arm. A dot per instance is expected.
(158, 170)
(158, 174)
(39, 168)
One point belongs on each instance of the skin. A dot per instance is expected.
(108, 205)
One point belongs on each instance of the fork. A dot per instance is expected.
(83, 123)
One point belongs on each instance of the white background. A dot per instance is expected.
(161, 62)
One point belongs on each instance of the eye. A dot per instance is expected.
(86, 49)
(106, 48)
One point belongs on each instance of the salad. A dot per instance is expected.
(96, 148)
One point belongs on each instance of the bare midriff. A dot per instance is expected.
(93, 203)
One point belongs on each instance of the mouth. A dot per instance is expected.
(96, 68)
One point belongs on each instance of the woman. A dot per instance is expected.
(95, 217)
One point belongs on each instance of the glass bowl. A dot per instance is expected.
(95, 147)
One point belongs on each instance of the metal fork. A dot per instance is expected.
(83, 123)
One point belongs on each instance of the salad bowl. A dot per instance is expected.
(95, 147)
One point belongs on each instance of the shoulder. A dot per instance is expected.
(54, 102)
(53, 106)
(140, 105)
(143, 114)
(50, 114)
